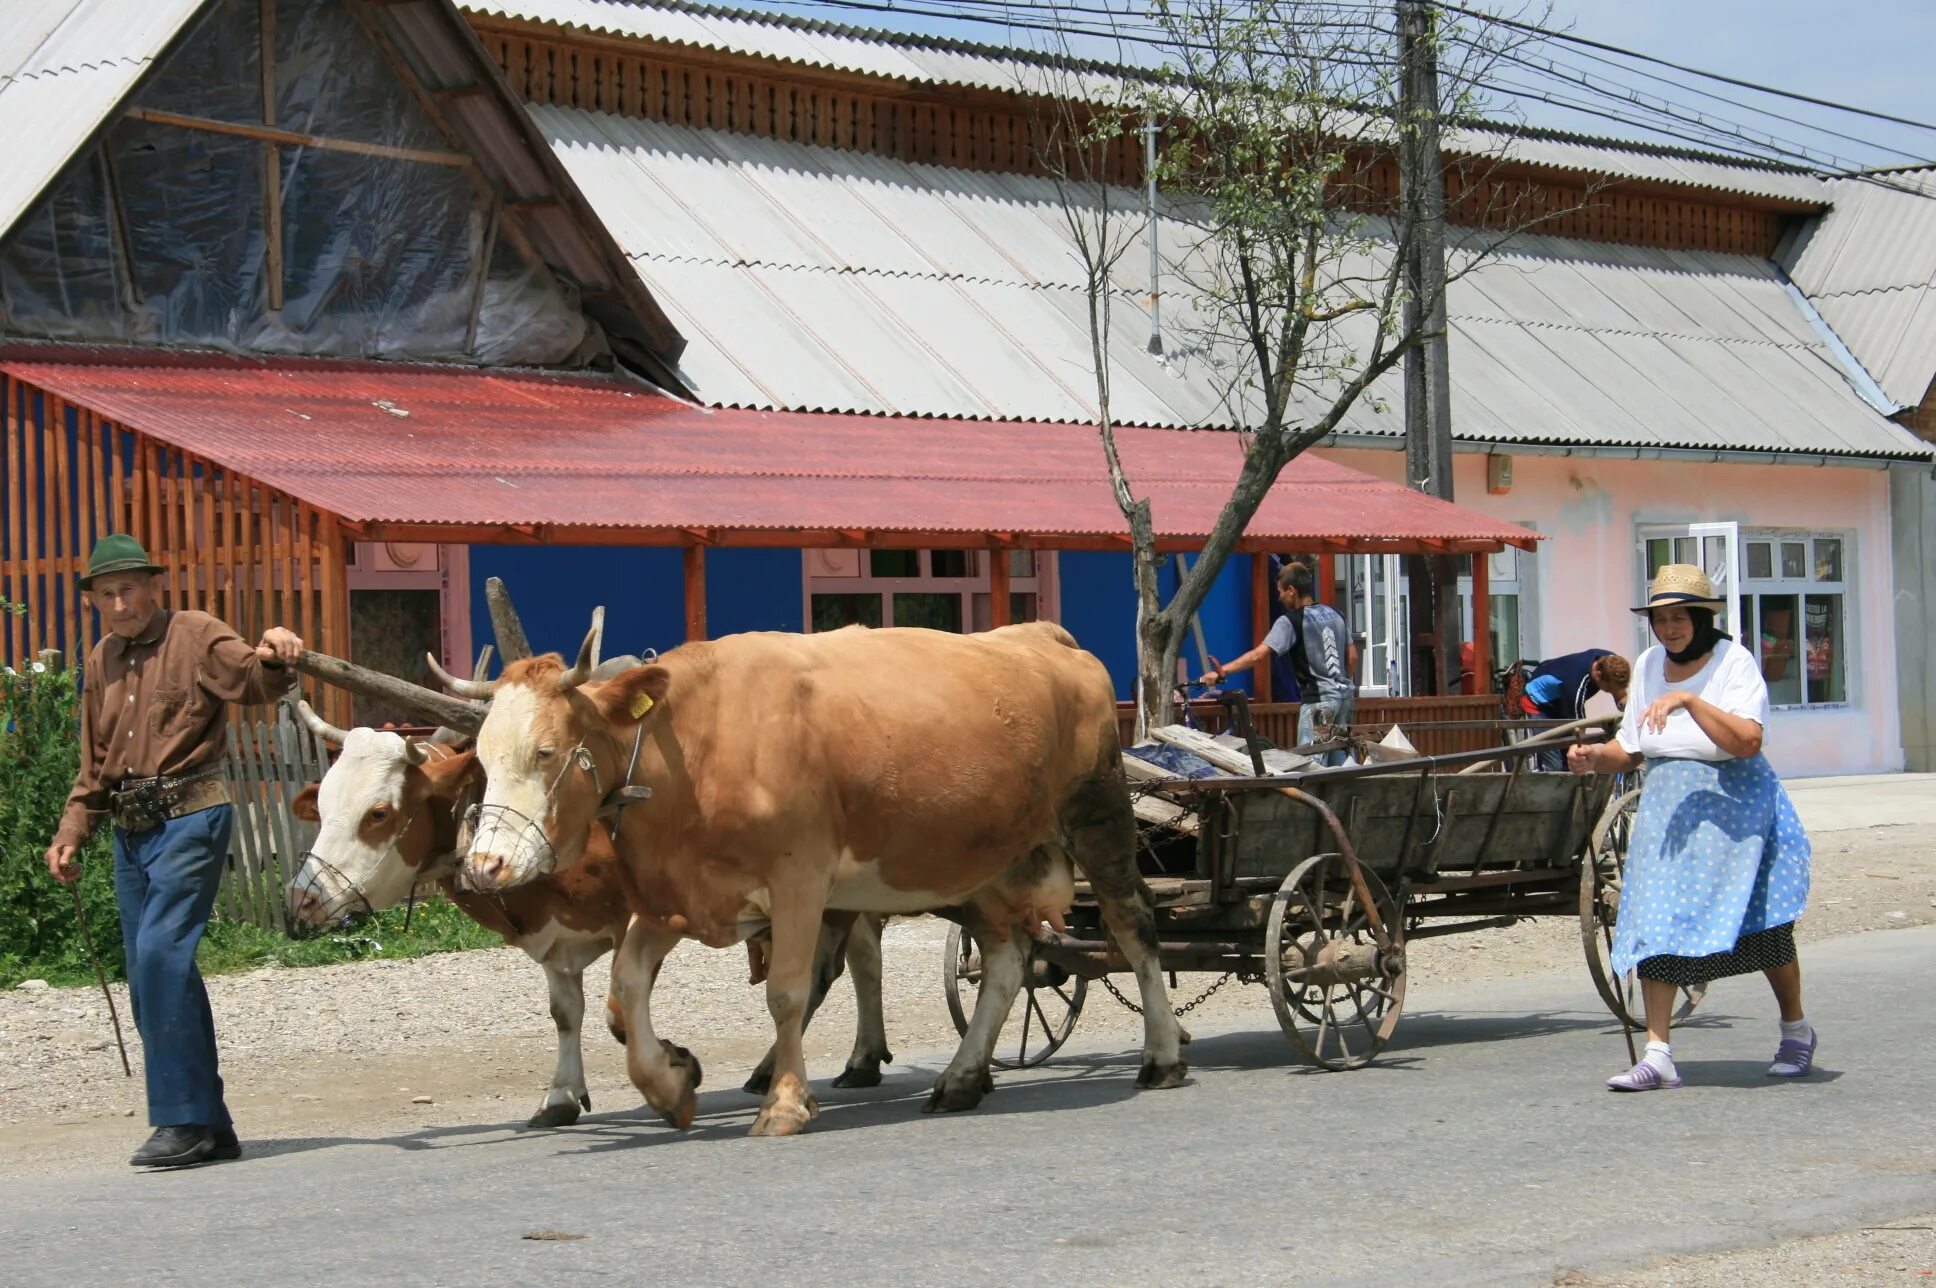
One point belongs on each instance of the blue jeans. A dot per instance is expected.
(165, 881)
(1336, 711)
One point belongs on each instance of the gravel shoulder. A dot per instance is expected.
(347, 1052)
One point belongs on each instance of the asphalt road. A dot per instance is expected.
(1483, 1150)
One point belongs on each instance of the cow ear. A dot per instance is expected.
(450, 774)
(304, 806)
(629, 696)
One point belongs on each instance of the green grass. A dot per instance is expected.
(230, 946)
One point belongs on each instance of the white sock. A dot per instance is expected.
(1797, 1030)
(1661, 1057)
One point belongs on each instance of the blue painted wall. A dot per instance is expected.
(642, 588)
(1099, 609)
(643, 592)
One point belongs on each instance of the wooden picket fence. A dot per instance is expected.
(268, 762)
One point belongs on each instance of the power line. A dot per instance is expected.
(1572, 39)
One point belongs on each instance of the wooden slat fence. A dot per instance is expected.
(268, 763)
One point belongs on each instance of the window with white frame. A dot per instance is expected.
(944, 590)
(1794, 588)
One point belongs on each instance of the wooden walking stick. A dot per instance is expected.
(127, 1070)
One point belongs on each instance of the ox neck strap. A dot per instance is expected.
(624, 794)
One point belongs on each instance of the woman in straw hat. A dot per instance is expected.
(1717, 869)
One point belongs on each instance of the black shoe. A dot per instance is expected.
(226, 1145)
(182, 1146)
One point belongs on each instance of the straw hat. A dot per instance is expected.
(1681, 586)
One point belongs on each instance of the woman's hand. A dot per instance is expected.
(1654, 718)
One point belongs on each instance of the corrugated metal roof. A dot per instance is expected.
(916, 59)
(64, 64)
(1869, 267)
(806, 42)
(367, 442)
(810, 279)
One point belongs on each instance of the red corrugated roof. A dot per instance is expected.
(392, 444)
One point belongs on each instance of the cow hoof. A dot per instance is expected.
(758, 1083)
(1156, 1076)
(559, 1115)
(683, 1059)
(860, 1075)
(1182, 1035)
(680, 1116)
(585, 1101)
(785, 1120)
(952, 1095)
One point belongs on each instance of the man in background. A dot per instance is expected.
(1314, 639)
(1561, 687)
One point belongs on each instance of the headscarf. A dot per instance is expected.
(1706, 636)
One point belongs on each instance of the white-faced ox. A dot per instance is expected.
(388, 813)
(880, 771)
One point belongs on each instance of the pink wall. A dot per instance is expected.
(1589, 508)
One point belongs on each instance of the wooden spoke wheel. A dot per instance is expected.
(1335, 964)
(1045, 1009)
(1600, 885)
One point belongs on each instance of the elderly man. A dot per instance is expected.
(155, 697)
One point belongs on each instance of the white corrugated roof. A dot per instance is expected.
(931, 60)
(813, 279)
(64, 65)
(1869, 267)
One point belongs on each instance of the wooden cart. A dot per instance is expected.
(1314, 883)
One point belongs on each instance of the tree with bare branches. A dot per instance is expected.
(1274, 130)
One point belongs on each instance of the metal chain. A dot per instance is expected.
(1187, 1007)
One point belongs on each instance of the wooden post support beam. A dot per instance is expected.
(1481, 625)
(998, 614)
(1327, 579)
(1262, 601)
(695, 593)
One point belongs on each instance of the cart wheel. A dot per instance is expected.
(1044, 1014)
(1336, 991)
(1600, 908)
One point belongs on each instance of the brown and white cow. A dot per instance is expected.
(882, 771)
(388, 814)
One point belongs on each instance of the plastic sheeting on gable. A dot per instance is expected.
(381, 257)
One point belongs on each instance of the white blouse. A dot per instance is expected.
(1730, 681)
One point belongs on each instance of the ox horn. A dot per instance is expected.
(431, 707)
(581, 670)
(462, 688)
(512, 643)
(415, 751)
(322, 728)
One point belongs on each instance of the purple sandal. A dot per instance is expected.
(1794, 1058)
(1643, 1077)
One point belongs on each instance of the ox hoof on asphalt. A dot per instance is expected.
(680, 1116)
(955, 1093)
(860, 1075)
(785, 1120)
(561, 1115)
(1156, 1077)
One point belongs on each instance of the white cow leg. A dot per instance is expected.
(1004, 956)
(827, 960)
(870, 1036)
(666, 1075)
(797, 932)
(567, 1093)
(1101, 826)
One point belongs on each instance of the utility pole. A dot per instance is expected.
(1428, 377)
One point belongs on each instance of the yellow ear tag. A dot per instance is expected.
(641, 704)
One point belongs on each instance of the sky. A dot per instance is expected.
(1874, 54)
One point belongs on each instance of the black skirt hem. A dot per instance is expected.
(1763, 950)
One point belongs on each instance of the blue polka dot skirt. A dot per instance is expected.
(1717, 857)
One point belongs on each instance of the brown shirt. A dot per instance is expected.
(157, 705)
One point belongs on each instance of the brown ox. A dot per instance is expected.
(882, 771)
(387, 815)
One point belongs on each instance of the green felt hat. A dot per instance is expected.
(117, 553)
